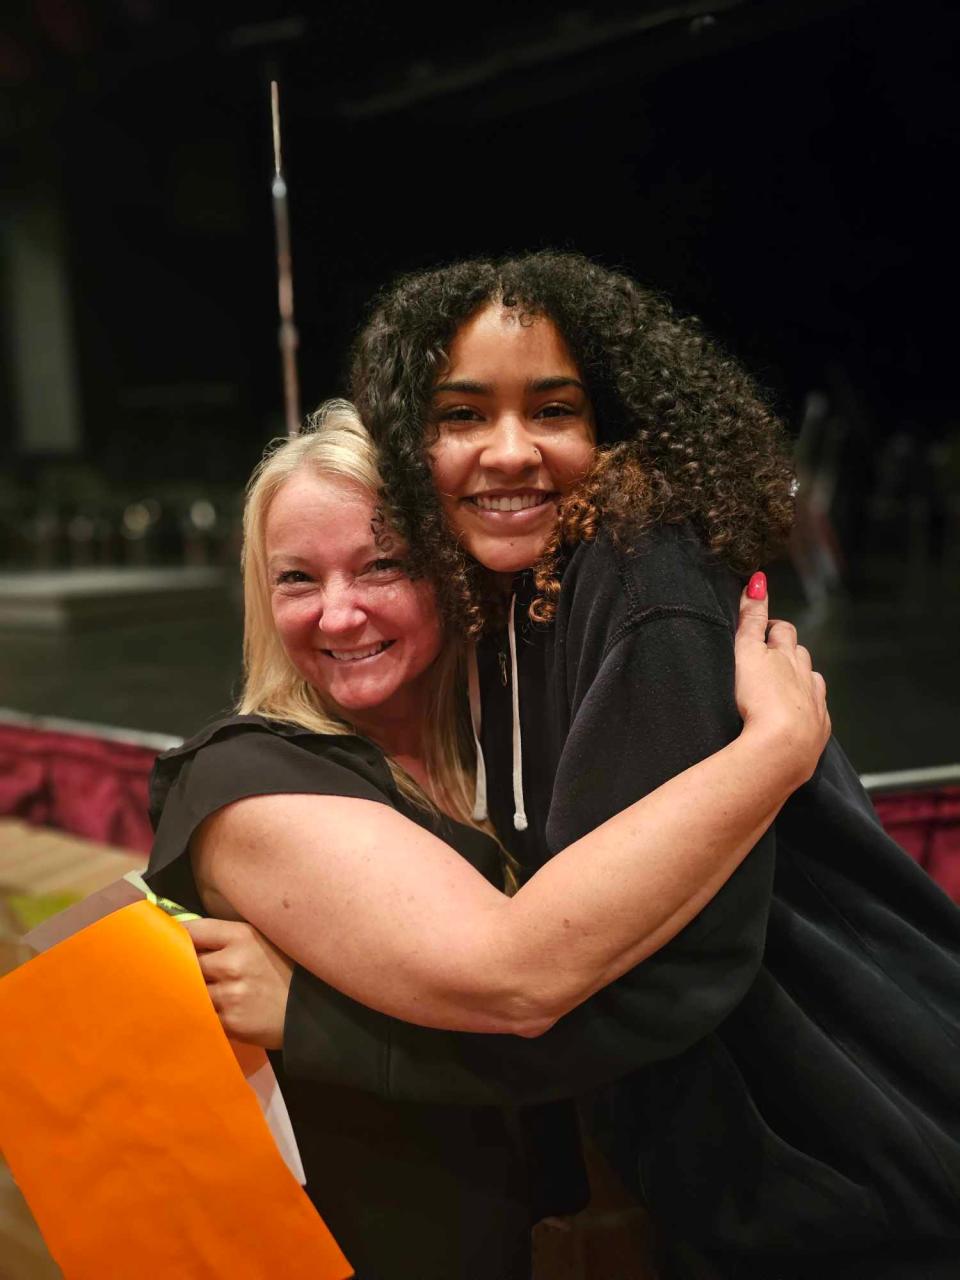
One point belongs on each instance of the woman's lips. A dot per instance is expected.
(358, 654)
(510, 509)
(518, 500)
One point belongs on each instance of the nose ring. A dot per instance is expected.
(538, 454)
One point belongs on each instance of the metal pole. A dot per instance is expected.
(288, 330)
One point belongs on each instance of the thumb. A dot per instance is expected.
(754, 610)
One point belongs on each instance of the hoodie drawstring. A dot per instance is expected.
(480, 785)
(519, 813)
(473, 689)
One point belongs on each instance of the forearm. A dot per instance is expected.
(601, 906)
(682, 992)
(610, 900)
(413, 931)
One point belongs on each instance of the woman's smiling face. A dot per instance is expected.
(357, 629)
(511, 432)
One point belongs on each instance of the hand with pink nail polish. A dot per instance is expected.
(779, 695)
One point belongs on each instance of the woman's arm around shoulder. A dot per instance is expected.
(371, 903)
(409, 928)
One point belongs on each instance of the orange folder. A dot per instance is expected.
(128, 1124)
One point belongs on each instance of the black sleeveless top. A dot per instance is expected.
(411, 1191)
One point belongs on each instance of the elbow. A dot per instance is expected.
(527, 1013)
(533, 1027)
(505, 1024)
(535, 997)
(519, 994)
(528, 1028)
(509, 1010)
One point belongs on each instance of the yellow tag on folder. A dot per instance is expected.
(129, 1126)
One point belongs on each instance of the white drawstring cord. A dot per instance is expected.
(519, 814)
(480, 784)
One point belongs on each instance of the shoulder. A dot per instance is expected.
(237, 757)
(665, 572)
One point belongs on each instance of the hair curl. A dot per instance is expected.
(683, 433)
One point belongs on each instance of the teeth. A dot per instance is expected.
(354, 655)
(514, 503)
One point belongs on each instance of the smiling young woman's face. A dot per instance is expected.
(511, 432)
(360, 631)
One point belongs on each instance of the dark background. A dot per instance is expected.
(784, 170)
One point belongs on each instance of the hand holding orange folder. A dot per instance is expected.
(128, 1124)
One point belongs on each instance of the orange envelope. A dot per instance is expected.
(127, 1122)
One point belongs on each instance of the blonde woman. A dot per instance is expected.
(333, 812)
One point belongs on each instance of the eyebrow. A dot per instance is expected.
(368, 551)
(555, 384)
(281, 558)
(466, 387)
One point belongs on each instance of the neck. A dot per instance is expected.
(403, 738)
(398, 728)
(403, 743)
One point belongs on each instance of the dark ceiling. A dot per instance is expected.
(783, 169)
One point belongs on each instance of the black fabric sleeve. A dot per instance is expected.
(661, 700)
(239, 761)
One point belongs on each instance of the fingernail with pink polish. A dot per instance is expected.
(757, 587)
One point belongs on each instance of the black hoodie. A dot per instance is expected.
(783, 1076)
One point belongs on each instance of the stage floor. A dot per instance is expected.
(889, 655)
(70, 599)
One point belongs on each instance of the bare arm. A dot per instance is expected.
(411, 929)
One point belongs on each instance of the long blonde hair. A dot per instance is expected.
(335, 442)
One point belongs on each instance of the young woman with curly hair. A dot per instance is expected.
(682, 433)
(586, 476)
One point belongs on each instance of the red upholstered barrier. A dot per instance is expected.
(76, 782)
(927, 825)
(96, 786)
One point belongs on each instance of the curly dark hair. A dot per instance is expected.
(683, 433)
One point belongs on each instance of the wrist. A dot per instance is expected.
(784, 754)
